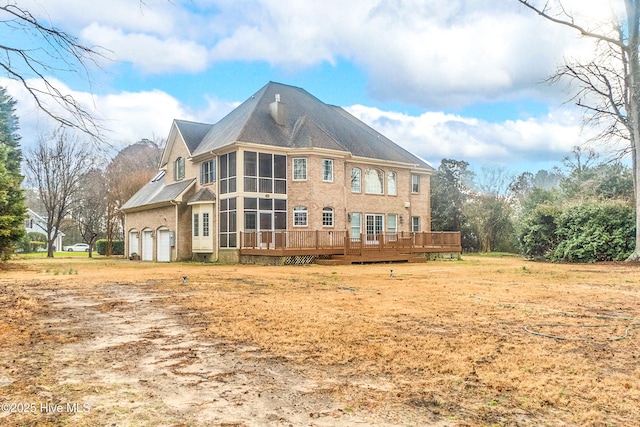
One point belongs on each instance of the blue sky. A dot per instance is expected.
(443, 78)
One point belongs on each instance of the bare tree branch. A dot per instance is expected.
(52, 52)
(608, 86)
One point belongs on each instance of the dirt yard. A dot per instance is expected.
(478, 342)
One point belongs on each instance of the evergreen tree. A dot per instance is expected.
(12, 209)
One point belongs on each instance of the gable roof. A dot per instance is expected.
(203, 195)
(156, 192)
(192, 132)
(309, 123)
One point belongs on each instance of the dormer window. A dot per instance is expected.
(179, 168)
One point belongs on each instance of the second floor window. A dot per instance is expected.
(415, 184)
(179, 168)
(228, 173)
(392, 189)
(327, 170)
(265, 173)
(374, 181)
(208, 172)
(299, 169)
(356, 180)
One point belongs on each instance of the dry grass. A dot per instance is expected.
(437, 341)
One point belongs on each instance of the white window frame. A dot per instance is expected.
(374, 225)
(374, 181)
(415, 184)
(300, 216)
(208, 172)
(205, 224)
(327, 170)
(179, 169)
(415, 224)
(356, 180)
(392, 183)
(356, 226)
(196, 225)
(327, 217)
(302, 163)
(392, 223)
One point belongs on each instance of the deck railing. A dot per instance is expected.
(284, 242)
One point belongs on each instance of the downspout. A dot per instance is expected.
(175, 237)
(216, 209)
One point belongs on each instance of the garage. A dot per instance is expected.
(164, 245)
(134, 242)
(147, 245)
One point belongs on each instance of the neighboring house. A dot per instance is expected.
(36, 223)
(282, 161)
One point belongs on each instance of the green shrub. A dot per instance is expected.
(537, 232)
(596, 231)
(32, 242)
(117, 247)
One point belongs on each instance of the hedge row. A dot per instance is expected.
(117, 247)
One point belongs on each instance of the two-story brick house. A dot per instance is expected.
(281, 161)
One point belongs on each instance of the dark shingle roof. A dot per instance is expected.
(192, 132)
(156, 192)
(309, 123)
(203, 195)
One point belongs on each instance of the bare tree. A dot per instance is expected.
(42, 52)
(129, 170)
(608, 85)
(91, 207)
(55, 170)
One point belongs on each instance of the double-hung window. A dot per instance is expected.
(179, 168)
(205, 224)
(299, 169)
(415, 224)
(415, 184)
(356, 180)
(196, 225)
(327, 217)
(392, 188)
(208, 172)
(300, 217)
(327, 170)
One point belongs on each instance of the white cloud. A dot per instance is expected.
(126, 116)
(434, 136)
(149, 53)
(432, 54)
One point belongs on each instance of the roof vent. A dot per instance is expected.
(278, 111)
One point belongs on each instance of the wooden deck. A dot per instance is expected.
(335, 247)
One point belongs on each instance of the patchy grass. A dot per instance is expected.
(468, 341)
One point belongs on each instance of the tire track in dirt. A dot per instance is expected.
(138, 362)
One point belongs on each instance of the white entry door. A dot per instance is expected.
(164, 246)
(147, 245)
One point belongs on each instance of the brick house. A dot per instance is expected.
(282, 161)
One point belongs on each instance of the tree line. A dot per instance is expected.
(80, 192)
(583, 212)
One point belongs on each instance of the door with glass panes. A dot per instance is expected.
(374, 224)
(266, 217)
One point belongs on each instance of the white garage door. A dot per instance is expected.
(134, 243)
(164, 246)
(147, 245)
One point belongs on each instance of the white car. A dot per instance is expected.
(78, 247)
